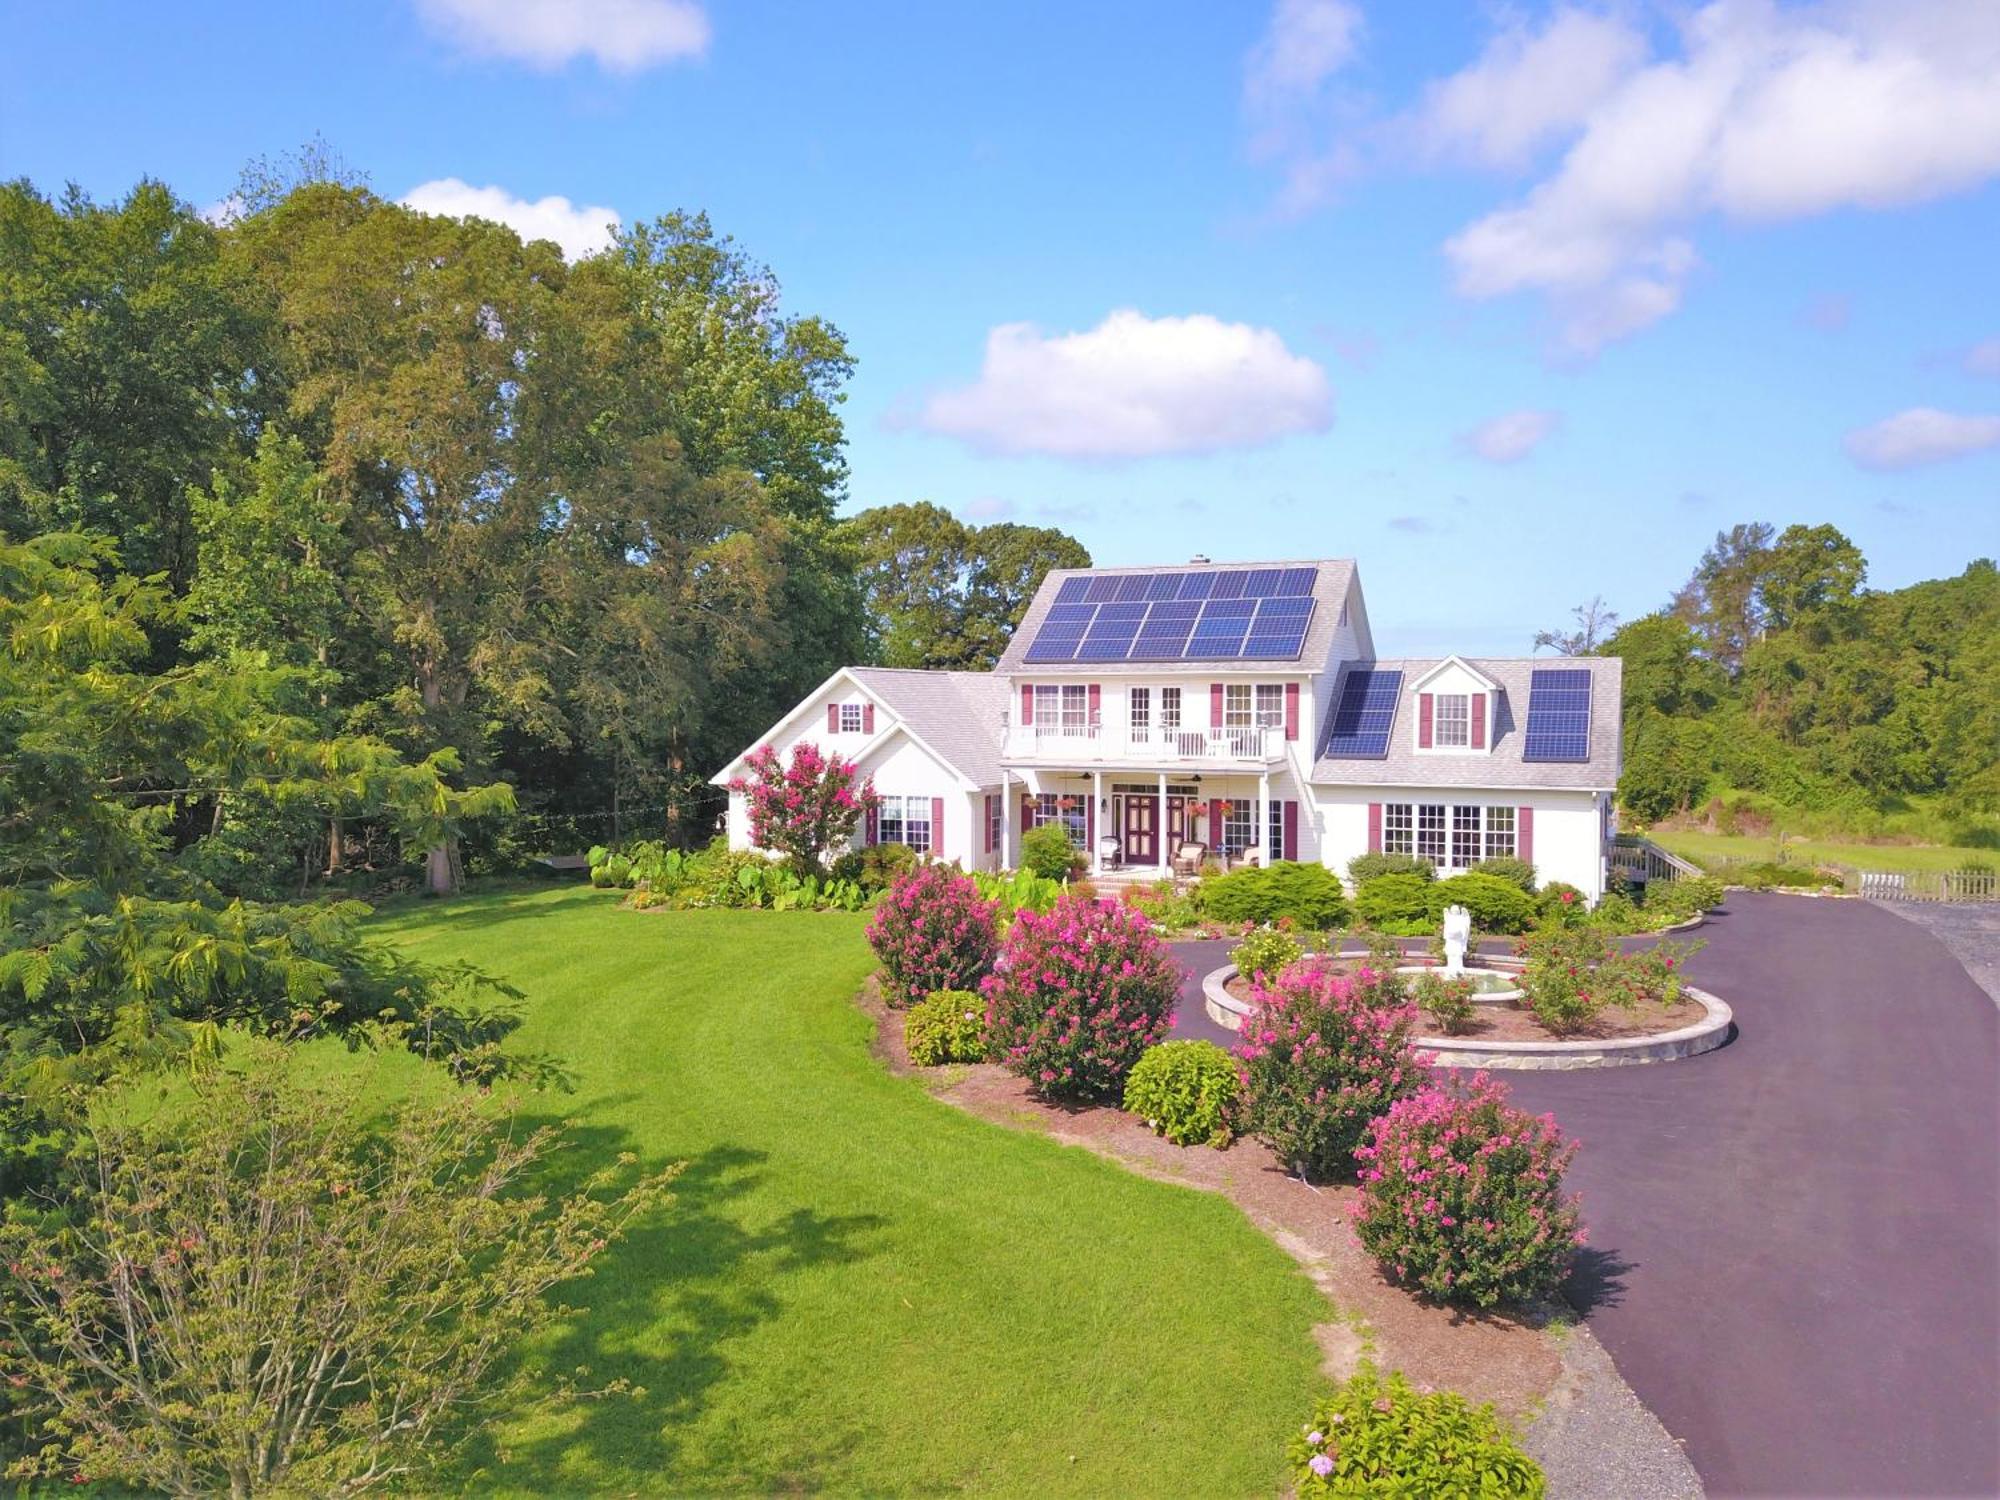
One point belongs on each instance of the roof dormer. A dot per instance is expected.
(1455, 708)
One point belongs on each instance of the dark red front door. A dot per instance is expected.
(1142, 830)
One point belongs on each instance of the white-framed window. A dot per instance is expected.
(1430, 832)
(1236, 709)
(1271, 705)
(1500, 833)
(904, 820)
(996, 813)
(1139, 712)
(1451, 721)
(1399, 828)
(1049, 809)
(1239, 825)
(1062, 709)
(1170, 709)
(850, 718)
(1277, 821)
(1466, 848)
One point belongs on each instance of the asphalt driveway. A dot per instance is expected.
(1795, 1240)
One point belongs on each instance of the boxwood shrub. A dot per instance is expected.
(1366, 867)
(1186, 1091)
(1496, 905)
(1399, 904)
(1309, 894)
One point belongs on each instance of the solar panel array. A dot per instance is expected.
(1257, 614)
(1558, 714)
(1361, 721)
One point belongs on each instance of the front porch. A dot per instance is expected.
(1134, 826)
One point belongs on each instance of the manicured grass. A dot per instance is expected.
(1699, 846)
(860, 1289)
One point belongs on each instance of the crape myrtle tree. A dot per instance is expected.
(267, 1288)
(804, 807)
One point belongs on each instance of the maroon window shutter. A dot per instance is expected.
(1524, 834)
(1291, 715)
(1215, 705)
(1027, 705)
(1096, 703)
(1027, 811)
(1479, 721)
(1423, 721)
(833, 718)
(1374, 828)
(1291, 849)
(1215, 820)
(1090, 822)
(937, 827)
(867, 718)
(868, 837)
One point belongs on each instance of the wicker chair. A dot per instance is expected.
(1188, 858)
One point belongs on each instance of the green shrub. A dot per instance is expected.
(1047, 851)
(1615, 913)
(1671, 901)
(1265, 951)
(1186, 1091)
(1022, 890)
(1391, 902)
(1366, 867)
(1165, 906)
(1517, 872)
(1559, 980)
(876, 867)
(1384, 953)
(1380, 1437)
(1763, 876)
(1310, 895)
(615, 872)
(1561, 904)
(1446, 1001)
(1496, 905)
(946, 1026)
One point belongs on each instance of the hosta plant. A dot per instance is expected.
(1322, 1056)
(932, 930)
(1462, 1196)
(1186, 1092)
(1080, 993)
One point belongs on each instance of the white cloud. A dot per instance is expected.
(1528, 87)
(580, 231)
(1766, 114)
(1285, 80)
(1510, 438)
(987, 508)
(624, 36)
(1921, 435)
(1133, 387)
(1983, 359)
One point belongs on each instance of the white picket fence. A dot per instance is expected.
(1931, 885)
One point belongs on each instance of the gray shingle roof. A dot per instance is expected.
(1330, 589)
(1502, 766)
(958, 714)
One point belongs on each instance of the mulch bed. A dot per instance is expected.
(1509, 1023)
(1506, 1359)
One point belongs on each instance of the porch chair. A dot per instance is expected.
(1188, 858)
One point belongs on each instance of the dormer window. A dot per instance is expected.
(1453, 720)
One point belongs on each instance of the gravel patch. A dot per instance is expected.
(1596, 1440)
(1971, 930)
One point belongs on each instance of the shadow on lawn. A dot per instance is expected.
(660, 1312)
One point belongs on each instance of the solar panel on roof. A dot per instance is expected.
(1296, 581)
(1110, 635)
(1164, 586)
(1164, 635)
(1072, 590)
(1220, 614)
(1279, 629)
(1361, 720)
(1229, 585)
(1220, 630)
(1133, 586)
(1261, 582)
(1103, 589)
(1558, 714)
(1197, 585)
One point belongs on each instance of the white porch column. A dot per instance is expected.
(1264, 818)
(1160, 829)
(1096, 822)
(1006, 821)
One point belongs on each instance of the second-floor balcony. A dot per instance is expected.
(1061, 743)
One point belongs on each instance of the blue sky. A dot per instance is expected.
(1513, 304)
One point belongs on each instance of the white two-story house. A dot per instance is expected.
(1238, 707)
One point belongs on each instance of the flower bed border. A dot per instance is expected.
(1715, 1028)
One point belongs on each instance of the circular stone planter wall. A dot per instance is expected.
(1705, 1035)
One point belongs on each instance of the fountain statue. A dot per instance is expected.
(1457, 933)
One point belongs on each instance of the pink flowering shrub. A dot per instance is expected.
(932, 930)
(1322, 1055)
(1079, 995)
(805, 808)
(1461, 1196)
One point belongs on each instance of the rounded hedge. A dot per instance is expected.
(1496, 905)
(1186, 1092)
(1394, 899)
(1309, 894)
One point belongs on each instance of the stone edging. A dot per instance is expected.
(1705, 1035)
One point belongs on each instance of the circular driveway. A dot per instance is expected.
(1795, 1241)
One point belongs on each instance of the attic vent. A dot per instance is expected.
(1198, 559)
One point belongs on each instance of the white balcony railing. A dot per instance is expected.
(1150, 745)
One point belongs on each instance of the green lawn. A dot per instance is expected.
(1699, 846)
(860, 1289)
